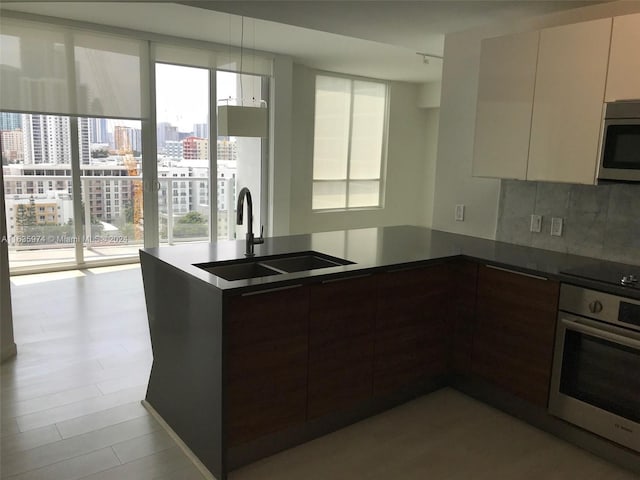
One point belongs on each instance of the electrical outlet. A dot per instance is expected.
(459, 213)
(556, 226)
(536, 223)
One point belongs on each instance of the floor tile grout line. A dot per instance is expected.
(116, 453)
(56, 393)
(49, 465)
(111, 447)
(156, 427)
(74, 418)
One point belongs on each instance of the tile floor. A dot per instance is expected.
(70, 408)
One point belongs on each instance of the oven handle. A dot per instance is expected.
(604, 334)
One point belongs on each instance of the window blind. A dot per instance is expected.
(61, 70)
(348, 148)
(219, 57)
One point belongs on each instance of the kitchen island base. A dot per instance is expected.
(243, 369)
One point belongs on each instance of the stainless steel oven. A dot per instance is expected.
(595, 380)
(620, 146)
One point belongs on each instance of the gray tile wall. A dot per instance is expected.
(599, 221)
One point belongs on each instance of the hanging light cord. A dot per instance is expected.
(241, 49)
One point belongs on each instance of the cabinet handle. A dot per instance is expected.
(277, 289)
(630, 342)
(537, 277)
(343, 279)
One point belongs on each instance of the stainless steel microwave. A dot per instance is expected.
(620, 146)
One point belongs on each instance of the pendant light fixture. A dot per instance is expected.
(249, 117)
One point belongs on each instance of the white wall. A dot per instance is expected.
(279, 174)
(454, 184)
(408, 162)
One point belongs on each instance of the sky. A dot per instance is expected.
(182, 94)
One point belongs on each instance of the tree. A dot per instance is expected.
(192, 225)
(128, 210)
(26, 215)
(101, 153)
(193, 217)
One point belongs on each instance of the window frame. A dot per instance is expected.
(383, 148)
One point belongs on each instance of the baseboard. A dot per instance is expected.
(183, 446)
(8, 351)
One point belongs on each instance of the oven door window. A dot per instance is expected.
(601, 373)
(622, 147)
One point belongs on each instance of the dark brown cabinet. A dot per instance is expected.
(411, 327)
(514, 333)
(267, 362)
(463, 312)
(341, 331)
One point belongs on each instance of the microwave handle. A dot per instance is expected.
(603, 334)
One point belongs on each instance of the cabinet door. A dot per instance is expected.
(411, 337)
(623, 80)
(341, 325)
(514, 335)
(463, 313)
(267, 362)
(568, 102)
(505, 101)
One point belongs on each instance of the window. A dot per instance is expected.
(349, 143)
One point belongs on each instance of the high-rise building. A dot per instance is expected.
(227, 150)
(194, 148)
(201, 130)
(85, 144)
(98, 129)
(12, 146)
(136, 140)
(173, 149)
(46, 139)
(10, 121)
(108, 198)
(166, 133)
(122, 136)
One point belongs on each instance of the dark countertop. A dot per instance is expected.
(378, 249)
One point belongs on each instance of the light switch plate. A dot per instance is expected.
(460, 213)
(536, 223)
(556, 226)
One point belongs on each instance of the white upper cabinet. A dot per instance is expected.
(505, 101)
(568, 102)
(623, 82)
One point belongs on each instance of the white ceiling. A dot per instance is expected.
(375, 38)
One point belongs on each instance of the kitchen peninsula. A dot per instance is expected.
(243, 368)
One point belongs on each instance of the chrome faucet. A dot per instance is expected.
(251, 240)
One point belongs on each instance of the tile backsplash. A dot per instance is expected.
(599, 221)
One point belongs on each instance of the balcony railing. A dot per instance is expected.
(109, 230)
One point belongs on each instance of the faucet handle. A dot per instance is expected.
(260, 239)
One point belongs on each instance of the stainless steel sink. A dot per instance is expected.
(241, 271)
(301, 263)
(272, 265)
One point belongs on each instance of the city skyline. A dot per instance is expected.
(35, 138)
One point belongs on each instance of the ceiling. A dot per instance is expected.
(374, 38)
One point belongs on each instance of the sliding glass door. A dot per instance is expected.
(76, 108)
(191, 193)
(39, 195)
(43, 200)
(111, 188)
(183, 157)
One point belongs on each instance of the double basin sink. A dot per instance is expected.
(272, 265)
